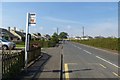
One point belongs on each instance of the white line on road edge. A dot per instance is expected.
(87, 52)
(107, 61)
(115, 74)
(102, 65)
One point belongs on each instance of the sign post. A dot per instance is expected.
(30, 21)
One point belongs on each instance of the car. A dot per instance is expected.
(5, 44)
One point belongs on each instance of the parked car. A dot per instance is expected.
(5, 44)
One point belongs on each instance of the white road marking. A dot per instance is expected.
(102, 65)
(115, 74)
(79, 48)
(76, 46)
(98, 49)
(107, 61)
(87, 52)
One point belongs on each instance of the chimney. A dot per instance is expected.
(9, 29)
(14, 28)
(22, 31)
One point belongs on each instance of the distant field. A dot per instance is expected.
(107, 43)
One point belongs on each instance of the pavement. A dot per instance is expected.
(46, 67)
(79, 62)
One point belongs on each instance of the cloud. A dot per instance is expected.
(68, 27)
(41, 28)
(103, 29)
(54, 28)
(60, 20)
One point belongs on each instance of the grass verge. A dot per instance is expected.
(106, 43)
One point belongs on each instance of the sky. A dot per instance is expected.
(59, 0)
(98, 18)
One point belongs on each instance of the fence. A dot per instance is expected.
(14, 61)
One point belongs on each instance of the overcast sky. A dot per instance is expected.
(98, 18)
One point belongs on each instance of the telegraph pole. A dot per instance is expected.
(57, 30)
(83, 30)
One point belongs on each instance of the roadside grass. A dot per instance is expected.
(105, 43)
(18, 45)
(42, 43)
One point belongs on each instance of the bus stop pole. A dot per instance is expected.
(26, 41)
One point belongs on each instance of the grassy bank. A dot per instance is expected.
(107, 43)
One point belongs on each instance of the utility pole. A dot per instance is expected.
(83, 30)
(57, 30)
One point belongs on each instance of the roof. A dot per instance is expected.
(20, 33)
(8, 33)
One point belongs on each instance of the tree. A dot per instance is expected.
(63, 35)
(55, 35)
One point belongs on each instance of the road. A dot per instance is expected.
(0, 64)
(80, 61)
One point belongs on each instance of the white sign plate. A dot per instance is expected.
(32, 19)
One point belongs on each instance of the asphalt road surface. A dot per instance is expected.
(80, 61)
(0, 64)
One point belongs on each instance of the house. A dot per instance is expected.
(86, 37)
(77, 38)
(47, 37)
(19, 34)
(36, 36)
(4, 33)
(98, 37)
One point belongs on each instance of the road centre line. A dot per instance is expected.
(76, 46)
(66, 72)
(79, 48)
(107, 61)
(116, 74)
(87, 52)
(102, 65)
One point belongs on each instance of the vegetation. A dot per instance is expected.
(106, 43)
(20, 44)
(63, 35)
(52, 42)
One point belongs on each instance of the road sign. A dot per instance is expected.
(32, 19)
